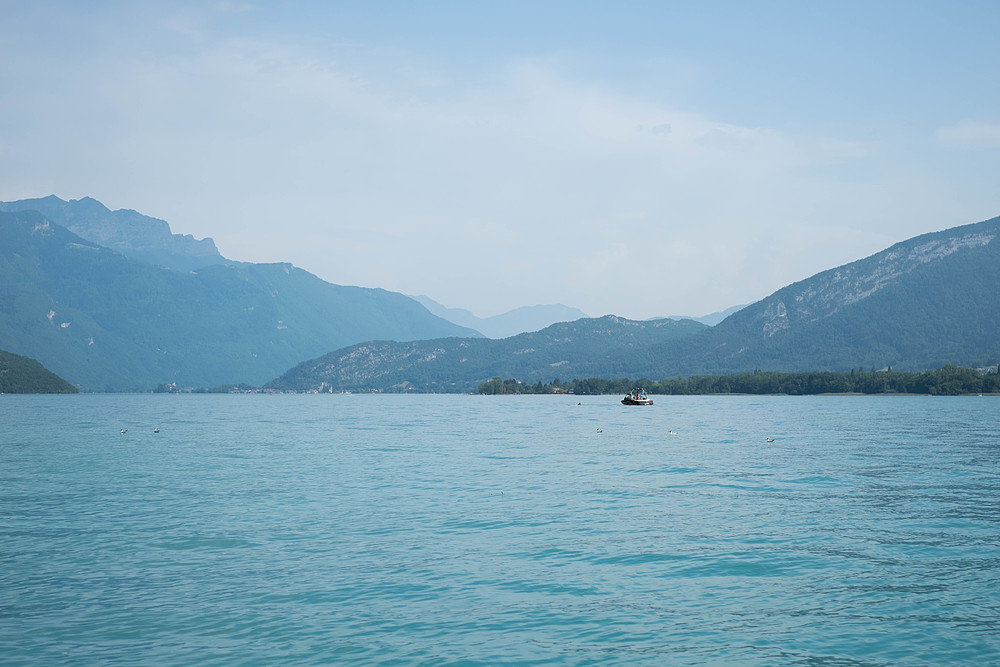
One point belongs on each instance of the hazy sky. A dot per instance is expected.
(636, 158)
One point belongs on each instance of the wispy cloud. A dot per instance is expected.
(970, 134)
(230, 138)
(379, 167)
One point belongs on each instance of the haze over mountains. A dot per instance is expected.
(108, 320)
(535, 318)
(712, 318)
(511, 323)
(128, 232)
(131, 306)
(922, 303)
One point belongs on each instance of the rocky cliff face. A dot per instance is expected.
(128, 232)
(829, 292)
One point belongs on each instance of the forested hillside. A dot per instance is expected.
(21, 375)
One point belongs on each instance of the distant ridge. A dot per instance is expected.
(520, 320)
(128, 232)
(711, 319)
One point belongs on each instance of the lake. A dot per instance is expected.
(474, 530)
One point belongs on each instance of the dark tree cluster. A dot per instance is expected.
(23, 375)
(946, 381)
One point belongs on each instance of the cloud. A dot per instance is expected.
(232, 138)
(369, 166)
(970, 134)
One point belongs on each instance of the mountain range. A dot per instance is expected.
(535, 318)
(922, 303)
(504, 325)
(137, 315)
(113, 301)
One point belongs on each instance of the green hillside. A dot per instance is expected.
(21, 375)
(584, 348)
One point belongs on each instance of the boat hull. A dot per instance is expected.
(637, 401)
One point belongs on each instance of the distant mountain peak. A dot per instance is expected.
(88, 204)
(711, 319)
(124, 230)
(513, 322)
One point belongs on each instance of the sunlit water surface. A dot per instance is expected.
(390, 529)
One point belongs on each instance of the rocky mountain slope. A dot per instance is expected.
(128, 232)
(922, 303)
(107, 322)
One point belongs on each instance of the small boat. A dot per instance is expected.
(637, 397)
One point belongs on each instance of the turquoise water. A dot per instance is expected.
(384, 529)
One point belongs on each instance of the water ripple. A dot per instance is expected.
(311, 530)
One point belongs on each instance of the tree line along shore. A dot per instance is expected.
(946, 381)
